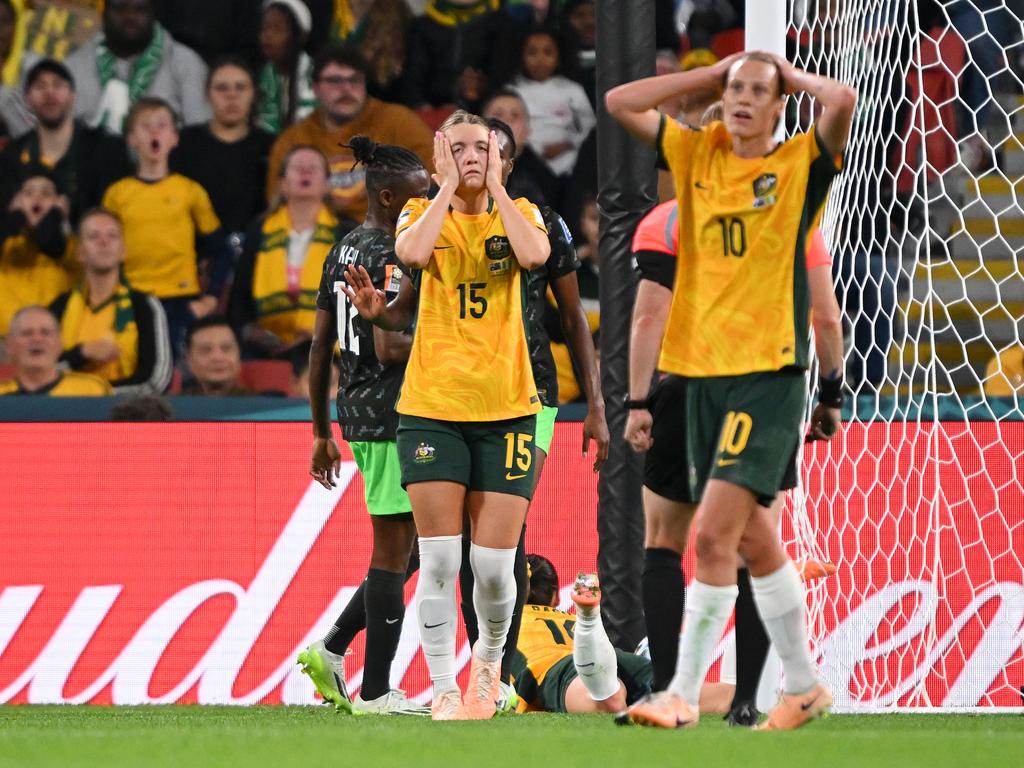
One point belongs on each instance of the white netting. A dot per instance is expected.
(921, 502)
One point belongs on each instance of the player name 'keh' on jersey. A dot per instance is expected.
(469, 359)
(368, 388)
(740, 303)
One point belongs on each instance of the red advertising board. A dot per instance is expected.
(190, 562)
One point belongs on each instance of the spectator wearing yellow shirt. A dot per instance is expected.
(107, 328)
(168, 219)
(33, 347)
(36, 265)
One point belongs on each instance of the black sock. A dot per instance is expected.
(751, 643)
(466, 583)
(352, 620)
(508, 655)
(664, 590)
(385, 609)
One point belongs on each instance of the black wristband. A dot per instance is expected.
(636, 405)
(830, 392)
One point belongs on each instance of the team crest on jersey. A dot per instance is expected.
(424, 454)
(764, 190)
(497, 248)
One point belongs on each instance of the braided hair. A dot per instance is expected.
(384, 163)
(543, 580)
(500, 126)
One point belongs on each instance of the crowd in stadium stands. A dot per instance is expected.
(213, 133)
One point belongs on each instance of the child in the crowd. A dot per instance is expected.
(560, 113)
(285, 81)
(168, 221)
(37, 261)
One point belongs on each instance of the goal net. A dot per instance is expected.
(920, 502)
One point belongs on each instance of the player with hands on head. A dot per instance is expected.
(737, 330)
(468, 404)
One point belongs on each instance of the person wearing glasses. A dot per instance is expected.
(339, 83)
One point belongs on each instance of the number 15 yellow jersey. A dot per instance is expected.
(469, 358)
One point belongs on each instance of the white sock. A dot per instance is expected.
(780, 600)
(707, 612)
(494, 597)
(436, 613)
(594, 655)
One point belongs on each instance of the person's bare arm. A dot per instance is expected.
(827, 321)
(635, 105)
(650, 314)
(391, 346)
(529, 242)
(325, 463)
(581, 347)
(415, 246)
(837, 99)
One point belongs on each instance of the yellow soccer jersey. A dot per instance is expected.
(161, 221)
(469, 358)
(545, 638)
(68, 384)
(740, 303)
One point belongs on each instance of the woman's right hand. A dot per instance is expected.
(446, 170)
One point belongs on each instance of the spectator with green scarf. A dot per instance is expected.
(134, 56)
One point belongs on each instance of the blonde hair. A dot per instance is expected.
(462, 117)
(712, 113)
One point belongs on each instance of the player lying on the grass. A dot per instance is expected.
(373, 364)
(560, 273)
(737, 328)
(468, 403)
(565, 662)
(656, 426)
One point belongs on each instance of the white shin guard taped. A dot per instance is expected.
(436, 611)
(594, 656)
(494, 597)
(780, 600)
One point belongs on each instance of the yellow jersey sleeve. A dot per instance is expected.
(531, 213)
(675, 144)
(410, 214)
(201, 209)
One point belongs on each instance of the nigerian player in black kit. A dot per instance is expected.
(372, 369)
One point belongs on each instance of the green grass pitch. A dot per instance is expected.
(104, 737)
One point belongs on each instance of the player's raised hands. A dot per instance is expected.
(494, 165)
(446, 170)
(369, 302)
(325, 464)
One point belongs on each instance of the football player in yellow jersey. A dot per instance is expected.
(565, 662)
(468, 404)
(737, 328)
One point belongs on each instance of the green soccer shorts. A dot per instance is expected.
(495, 456)
(382, 477)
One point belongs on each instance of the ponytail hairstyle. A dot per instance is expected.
(384, 163)
(543, 578)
